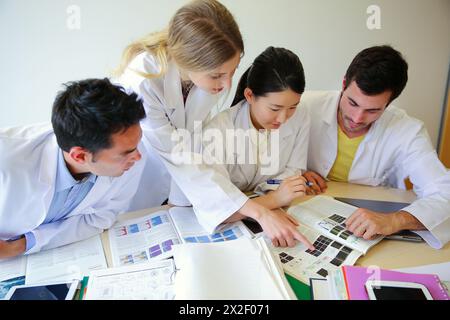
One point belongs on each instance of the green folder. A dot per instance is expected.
(84, 283)
(301, 290)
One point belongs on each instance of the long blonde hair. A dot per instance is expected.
(201, 36)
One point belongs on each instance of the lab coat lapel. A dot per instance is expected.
(174, 97)
(328, 141)
(199, 105)
(101, 186)
(330, 122)
(242, 121)
(47, 171)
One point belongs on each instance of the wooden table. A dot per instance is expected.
(389, 254)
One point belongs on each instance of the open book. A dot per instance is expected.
(322, 222)
(152, 236)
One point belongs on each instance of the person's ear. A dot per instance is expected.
(79, 155)
(248, 94)
(343, 84)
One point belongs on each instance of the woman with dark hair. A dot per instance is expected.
(265, 112)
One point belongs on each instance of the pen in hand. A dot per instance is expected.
(279, 181)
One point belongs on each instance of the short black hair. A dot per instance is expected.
(87, 112)
(378, 69)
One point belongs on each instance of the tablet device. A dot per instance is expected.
(44, 291)
(396, 290)
(384, 207)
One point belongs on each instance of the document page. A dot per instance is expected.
(12, 273)
(142, 239)
(227, 270)
(190, 230)
(12, 268)
(328, 217)
(303, 264)
(146, 281)
(73, 261)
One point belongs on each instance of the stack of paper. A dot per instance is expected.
(147, 281)
(66, 263)
(12, 273)
(239, 269)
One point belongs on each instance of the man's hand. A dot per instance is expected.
(291, 188)
(368, 224)
(9, 249)
(319, 183)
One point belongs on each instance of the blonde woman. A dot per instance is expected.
(182, 74)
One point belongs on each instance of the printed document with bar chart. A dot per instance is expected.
(151, 237)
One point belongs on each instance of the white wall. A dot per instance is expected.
(39, 52)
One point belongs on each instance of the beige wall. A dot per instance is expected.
(444, 143)
(39, 52)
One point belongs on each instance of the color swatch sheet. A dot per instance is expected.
(303, 264)
(152, 237)
(139, 240)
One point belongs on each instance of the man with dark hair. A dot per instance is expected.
(358, 137)
(67, 182)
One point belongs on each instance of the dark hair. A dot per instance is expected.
(274, 70)
(88, 112)
(378, 69)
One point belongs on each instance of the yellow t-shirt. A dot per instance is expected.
(346, 152)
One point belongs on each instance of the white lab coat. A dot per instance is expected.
(213, 197)
(396, 147)
(292, 148)
(28, 164)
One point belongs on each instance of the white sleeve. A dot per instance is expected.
(99, 217)
(213, 196)
(431, 182)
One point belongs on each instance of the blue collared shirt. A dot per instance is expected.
(68, 195)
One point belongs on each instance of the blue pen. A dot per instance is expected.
(279, 181)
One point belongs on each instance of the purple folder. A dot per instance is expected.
(356, 277)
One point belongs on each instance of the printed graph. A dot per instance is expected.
(225, 235)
